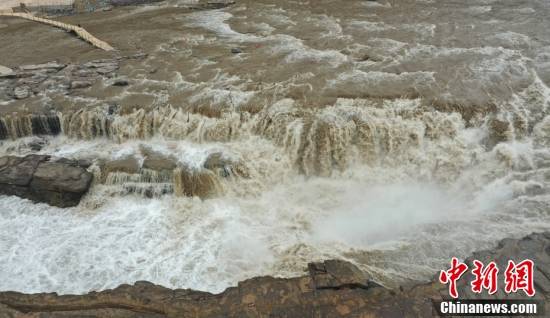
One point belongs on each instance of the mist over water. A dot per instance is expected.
(391, 134)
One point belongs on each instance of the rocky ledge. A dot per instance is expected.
(36, 177)
(332, 288)
(29, 80)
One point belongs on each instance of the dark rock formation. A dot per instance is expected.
(257, 297)
(535, 247)
(332, 289)
(236, 50)
(60, 183)
(121, 81)
(336, 274)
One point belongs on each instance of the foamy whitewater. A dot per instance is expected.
(393, 135)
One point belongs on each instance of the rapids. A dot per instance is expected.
(393, 134)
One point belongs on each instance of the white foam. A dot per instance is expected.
(383, 84)
(295, 51)
(215, 21)
(173, 243)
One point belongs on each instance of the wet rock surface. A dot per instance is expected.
(333, 288)
(26, 80)
(535, 247)
(337, 274)
(128, 165)
(157, 161)
(60, 183)
(256, 297)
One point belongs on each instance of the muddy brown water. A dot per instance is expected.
(394, 134)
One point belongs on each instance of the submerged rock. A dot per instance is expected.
(35, 177)
(224, 167)
(216, 161)
(128, 164)
(37, 144)
(157, 161)
(21, 92)
(121, 81)
(80, 84)
(45, 66)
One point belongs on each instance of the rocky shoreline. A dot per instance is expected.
(333, 288)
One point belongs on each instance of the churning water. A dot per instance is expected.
(394, 134)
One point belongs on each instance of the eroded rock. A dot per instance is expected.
(26, 80)
(35, 177)
(18, 171)
(337, 274)
(535, 247)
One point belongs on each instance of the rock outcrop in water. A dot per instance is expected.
(61, 183)
(331, 289)
(159, 174)
(26, 81)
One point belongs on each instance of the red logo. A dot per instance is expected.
(485, 277)
(520, 276)
(452, 275)
(516, 277)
